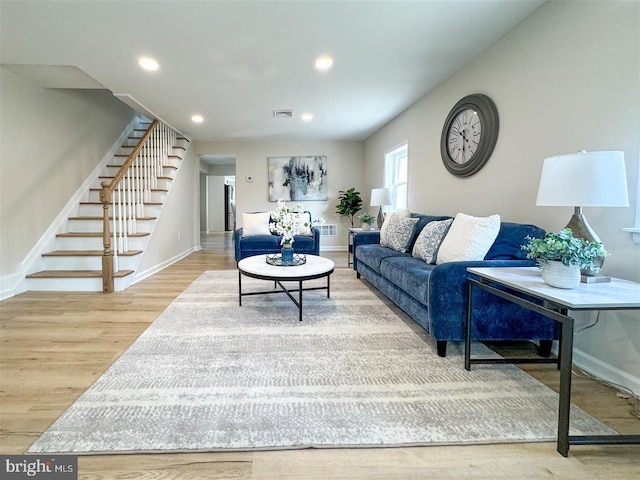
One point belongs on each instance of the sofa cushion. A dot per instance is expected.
(508, 245)
(398, 233)
(255, 224)
(429, 240)
(409, 274)
(469, 238)
(373, 254)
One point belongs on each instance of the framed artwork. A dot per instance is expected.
(297, 179)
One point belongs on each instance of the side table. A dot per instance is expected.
(352, 233)
(556, 303)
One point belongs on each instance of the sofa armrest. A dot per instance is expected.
(363, 238)
(316, 239)
(237, 236)
(448, 294)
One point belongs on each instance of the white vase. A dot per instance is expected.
(559, 275)
(366, 227)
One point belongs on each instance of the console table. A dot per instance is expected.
(555, 304)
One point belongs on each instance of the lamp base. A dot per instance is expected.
(581, 229)
(380, 219)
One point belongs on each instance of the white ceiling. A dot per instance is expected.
(234, 62)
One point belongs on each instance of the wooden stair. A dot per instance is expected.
(77, 255)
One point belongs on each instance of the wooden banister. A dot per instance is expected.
(106, 198)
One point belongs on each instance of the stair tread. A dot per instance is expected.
(110, 218)
(87, 253)
(96, 234)
(76, 274)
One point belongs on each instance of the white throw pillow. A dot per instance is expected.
(255, 224)
(469, 238)
(429, 240)
(305, 224)
(399, 233)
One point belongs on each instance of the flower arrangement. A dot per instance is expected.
(286, 221)
(564, 247)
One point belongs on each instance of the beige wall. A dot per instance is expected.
(344, 170)
(567, 78)
(51, 141)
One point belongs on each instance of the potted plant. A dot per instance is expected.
(561, 256)
(350, 203)
(286, 222)
(367, 220)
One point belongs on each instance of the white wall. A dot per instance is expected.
(344, 170)
(177, 231)
(567, 78)
(215, 198)
(51, 141)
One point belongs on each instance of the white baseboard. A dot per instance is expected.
(605, 371)
(161, 266)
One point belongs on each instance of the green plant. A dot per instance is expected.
(350, 203)
(564, 247)
(367, 218)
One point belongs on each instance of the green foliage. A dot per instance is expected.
(564, 247)
(350, 203)
(367, 218)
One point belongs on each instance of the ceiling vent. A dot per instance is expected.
(283, 113)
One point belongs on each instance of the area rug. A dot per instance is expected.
(209, 375)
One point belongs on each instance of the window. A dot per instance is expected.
(396, 166)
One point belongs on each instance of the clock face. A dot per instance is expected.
(469, 135)
(464, 136)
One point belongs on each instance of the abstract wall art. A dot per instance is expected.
(297, 178)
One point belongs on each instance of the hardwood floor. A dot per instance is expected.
(55, 345)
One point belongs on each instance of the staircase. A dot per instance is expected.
(76, 261)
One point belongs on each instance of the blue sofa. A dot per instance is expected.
(261, 244)
(435, 296)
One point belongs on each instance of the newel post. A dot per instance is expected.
(107, 255)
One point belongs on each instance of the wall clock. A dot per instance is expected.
(469, 135)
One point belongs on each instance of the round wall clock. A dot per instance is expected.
(469, 135)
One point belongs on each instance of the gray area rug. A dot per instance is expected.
(209, 375)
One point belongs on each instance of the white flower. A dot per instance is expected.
(286, 221)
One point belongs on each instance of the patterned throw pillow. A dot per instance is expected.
(429, 240)
(469, 238)
(398, 233)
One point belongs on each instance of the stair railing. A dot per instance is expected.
(126, 194)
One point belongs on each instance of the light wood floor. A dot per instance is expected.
(55, 345)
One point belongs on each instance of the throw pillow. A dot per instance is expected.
(305, 224)
(429, 240)
(255, 224)
(403, 213)
(469, 238)
(398, 233)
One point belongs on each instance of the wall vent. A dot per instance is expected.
(283, 113)
(328, 230)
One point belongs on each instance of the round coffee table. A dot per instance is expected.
(257, 267)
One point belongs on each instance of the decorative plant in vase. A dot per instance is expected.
(561, 256)
(286, 222)
(350, 203)
(367, 220)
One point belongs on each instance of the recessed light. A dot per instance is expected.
(148, 64)
(197, 118)
(324, 62)
(307, 117)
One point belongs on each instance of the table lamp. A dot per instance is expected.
(379, 198)
(584, 179)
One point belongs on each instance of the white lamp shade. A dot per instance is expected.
(380, 197)
(584, 179)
